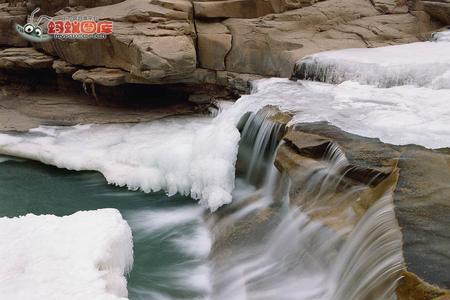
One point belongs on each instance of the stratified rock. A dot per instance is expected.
(62, 67)
(269, 45)
(102, 76)
(152, 40)
(9, 16)
(92, 3)
(214, 43)
(24, 59)
(246, 8)
(391, 6)
(439, 9)
(232, 9)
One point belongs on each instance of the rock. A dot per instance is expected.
(92, 3)
(102, 76)
(150, 41)
(413, 288)
(439, 9)
(62, 67)
(213, 43)
(24, 59)
(22, 109)
(232, 8)
(200, 98)
(391, 6)
(270, 45)
(48, 7)
(9, 16)
(421, 196)
(246, 8)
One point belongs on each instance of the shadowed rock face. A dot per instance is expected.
(225, 42)
(421, 197)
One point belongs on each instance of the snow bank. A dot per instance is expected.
(81, 256)
(418, 64)
(399, 115)
(442, 36)
(192, 156)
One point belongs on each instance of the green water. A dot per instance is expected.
(31, 187)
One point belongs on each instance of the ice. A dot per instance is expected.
(418, 64)
(442, 36)
(81, 256)
(191, 155)
(399, 115)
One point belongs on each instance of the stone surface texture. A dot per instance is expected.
(215, 42)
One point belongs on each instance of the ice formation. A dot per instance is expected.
(190, 156)
(442, 36)
(399, 115)
(416, 64)
(196, 155)
(81, 256)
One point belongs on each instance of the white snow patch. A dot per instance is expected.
(399, 115)
(81, 256)
(191, 156)
(416, 64)
(442, 36)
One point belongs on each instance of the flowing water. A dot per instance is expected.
(269, 243)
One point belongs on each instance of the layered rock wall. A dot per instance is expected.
(224, 42)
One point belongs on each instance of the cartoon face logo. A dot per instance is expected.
(32, 31)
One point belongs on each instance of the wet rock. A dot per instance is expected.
(421, 197)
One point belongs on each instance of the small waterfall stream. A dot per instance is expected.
(316, 248)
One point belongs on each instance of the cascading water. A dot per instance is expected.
(267, 250)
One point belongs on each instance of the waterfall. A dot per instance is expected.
(316, 248)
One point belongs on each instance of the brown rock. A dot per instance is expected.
(270, 45)
(24, 59)
(439, 9)
(9, 16)
(151, 42)
(214, 43)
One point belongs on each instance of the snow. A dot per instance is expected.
(399, 115)
(191, 156)
(418, 64)
(442, 36)
(81, 256)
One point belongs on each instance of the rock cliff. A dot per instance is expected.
(224, 43)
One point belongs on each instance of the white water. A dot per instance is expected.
(419, 64)
(301, 258)
(81, 256)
